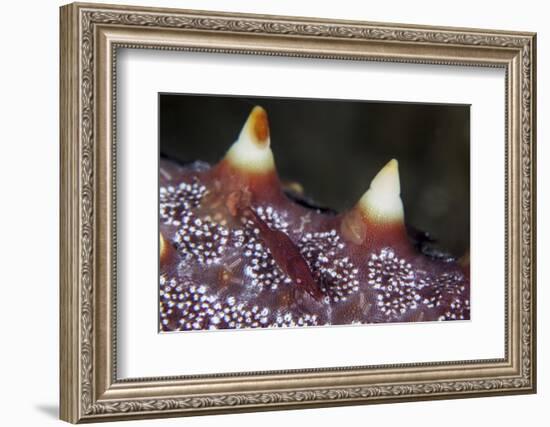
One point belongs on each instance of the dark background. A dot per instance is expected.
(334, 148)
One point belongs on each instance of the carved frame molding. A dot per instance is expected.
(90, 36)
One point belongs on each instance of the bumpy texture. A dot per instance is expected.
(237, 252)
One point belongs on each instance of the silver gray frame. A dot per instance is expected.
(90, 37)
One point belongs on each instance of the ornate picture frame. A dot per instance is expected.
(91, 34)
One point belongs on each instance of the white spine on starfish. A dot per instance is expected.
(163, 247)
(382, 201)
(251, 151)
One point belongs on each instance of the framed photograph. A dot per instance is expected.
(266, 212)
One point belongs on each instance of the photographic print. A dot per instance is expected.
(280, 212)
